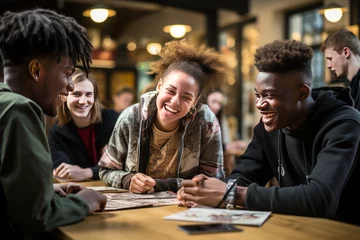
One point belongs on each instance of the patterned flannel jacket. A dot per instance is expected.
(128, 151)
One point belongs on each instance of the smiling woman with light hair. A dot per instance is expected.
(82, 131)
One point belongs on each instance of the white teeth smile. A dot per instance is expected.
(82, 107)
(269, 115)
(170, 109)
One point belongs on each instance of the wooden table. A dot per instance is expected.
(92, 183)
(148, 223)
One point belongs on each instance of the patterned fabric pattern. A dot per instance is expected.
(201, 150)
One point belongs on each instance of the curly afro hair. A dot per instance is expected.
(284, 56)
(206, 65)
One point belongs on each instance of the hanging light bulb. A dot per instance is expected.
(131, 46)
(153, 48)
(333, 15)
(177, 30)
(333, 12)
(99, 13)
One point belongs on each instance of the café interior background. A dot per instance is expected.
(128, 40)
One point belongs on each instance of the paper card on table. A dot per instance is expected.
(118, 201)
(105, 189)
(215, 215)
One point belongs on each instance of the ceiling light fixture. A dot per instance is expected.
(177, 30)
(153, 48)
(333, 12)
(99, 13)
(131, 46)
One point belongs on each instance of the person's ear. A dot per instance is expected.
(304, 92)
(159, 85)
(346, 52)
(34, 69)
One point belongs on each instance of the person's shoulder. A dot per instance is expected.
(345, 112)
(130, 111)
(129, 115)
(205, 112)
(16, 102)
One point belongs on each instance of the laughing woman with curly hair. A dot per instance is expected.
(169, 136)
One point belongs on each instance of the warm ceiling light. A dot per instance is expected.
(230, 42)
(333, 12)
(131, 46)
(177, 30)
(153, 48)
(99, 13)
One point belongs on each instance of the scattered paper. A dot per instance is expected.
(215, 215)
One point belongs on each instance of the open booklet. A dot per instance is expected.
(216, 215)
(118, 201)
(105, 189)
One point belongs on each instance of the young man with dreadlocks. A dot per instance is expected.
(307, 139)
(39, 49)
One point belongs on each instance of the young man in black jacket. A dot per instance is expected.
(342, 53)
(307, 139)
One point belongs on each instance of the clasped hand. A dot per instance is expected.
(201, 190)
(141, 183)
(96, 201)
(64, 189)
(72, 172)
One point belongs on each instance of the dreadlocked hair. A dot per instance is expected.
(284, 56)
(40, 32)
(207, 66)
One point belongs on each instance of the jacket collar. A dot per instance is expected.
(4, 88)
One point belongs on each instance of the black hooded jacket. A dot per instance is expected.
(355, 90)
(319, 170)
(67, 146)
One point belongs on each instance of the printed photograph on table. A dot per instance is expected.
(105, 189)
(118, 201)
(212, 215)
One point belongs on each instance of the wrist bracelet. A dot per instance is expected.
(179, 182)
(230, 198)
(228, 189)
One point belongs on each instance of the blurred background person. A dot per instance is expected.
(232, 146)
(123, 98)
(342, 53)
(82, 130)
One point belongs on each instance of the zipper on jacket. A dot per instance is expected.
(279, 158)
(305, 160)
(138, 145)
(180, 154)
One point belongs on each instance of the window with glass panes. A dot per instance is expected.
(307, 25)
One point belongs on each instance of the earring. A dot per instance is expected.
(36, 77)
(192, 110)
